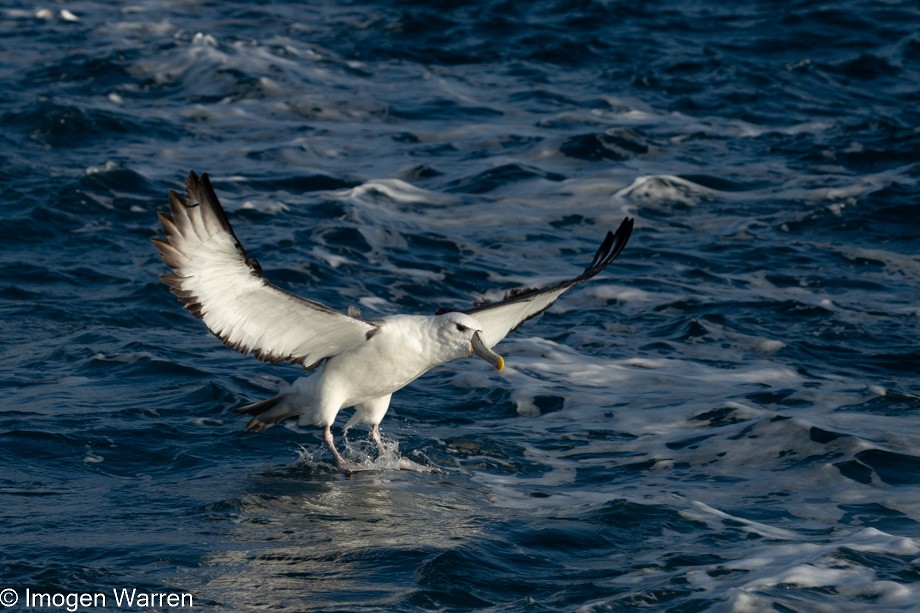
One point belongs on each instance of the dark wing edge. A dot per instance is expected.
(521, 305)
(194, 220)
(200, 205)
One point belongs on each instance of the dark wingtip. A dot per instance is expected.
(603, 250)
(205, 185)
(621, 237)
(192, 190)
(610, 249)
(201, 193)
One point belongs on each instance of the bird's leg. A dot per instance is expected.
(404, 463)
(345, 466)
(375, 435)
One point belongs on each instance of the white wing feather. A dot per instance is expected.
(217, 283)
(500, 318)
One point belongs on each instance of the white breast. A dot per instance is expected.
(400, 350)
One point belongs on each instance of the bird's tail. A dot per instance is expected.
(267, 413)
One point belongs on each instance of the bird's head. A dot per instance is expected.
(465, 333)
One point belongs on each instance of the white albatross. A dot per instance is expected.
(359, 363)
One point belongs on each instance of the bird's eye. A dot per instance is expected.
(461, 328)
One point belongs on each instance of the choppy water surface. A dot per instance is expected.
(728, 419)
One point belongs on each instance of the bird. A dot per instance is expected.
(355, 362)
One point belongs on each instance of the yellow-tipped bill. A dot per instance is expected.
(480, 349)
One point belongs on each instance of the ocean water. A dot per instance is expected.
(728, 419)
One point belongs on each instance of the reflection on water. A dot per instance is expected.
(310, 535)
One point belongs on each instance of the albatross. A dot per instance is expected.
(358, 362)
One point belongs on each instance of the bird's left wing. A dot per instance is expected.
(215, 280)
(500, 318)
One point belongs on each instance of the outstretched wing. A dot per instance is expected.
(217, 283)
(500, 318)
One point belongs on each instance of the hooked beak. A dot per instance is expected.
(480, 350)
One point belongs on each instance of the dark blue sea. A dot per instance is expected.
(727, 419)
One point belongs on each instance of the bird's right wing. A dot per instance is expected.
(215, 280)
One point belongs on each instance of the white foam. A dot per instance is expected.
(204, 40)
(657, 189)
(700, 511)
(271, 207)
(108, 166)
(330, 258)
(817, 565)
(608, 291)
(769, 346)
(207, 421)
(396, 190)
